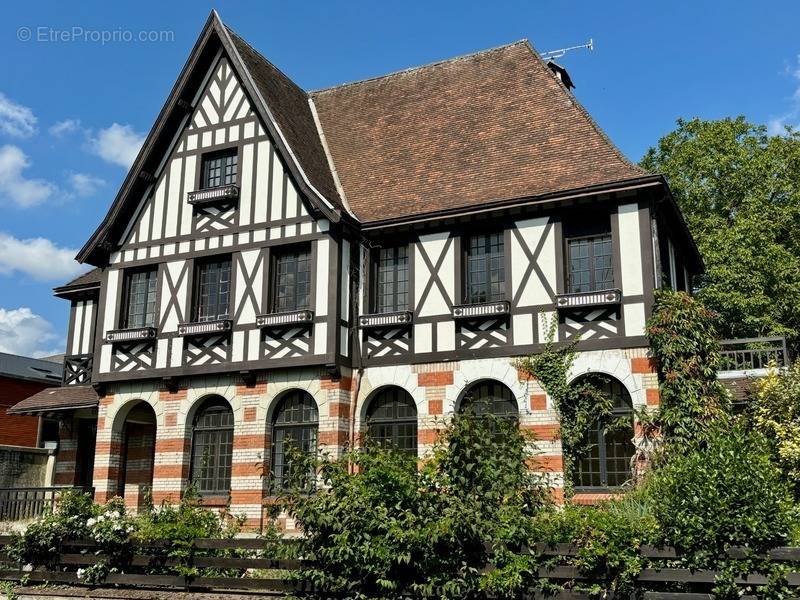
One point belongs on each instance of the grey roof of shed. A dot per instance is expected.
(30, 369)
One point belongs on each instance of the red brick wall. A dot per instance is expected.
(16, 430)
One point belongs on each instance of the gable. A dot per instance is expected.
(223, 119)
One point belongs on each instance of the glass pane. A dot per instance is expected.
(490, 397)
(485, 268)
(212, 448)
(392, 280)
(392, 420)
(220, 169)
(213, 290)
(295, 424)
(293, 280)
(141, 299)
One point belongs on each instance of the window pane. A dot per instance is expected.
(392, 280)
(220, 169)
(292, 280)
(485, 269)
(392, 420)
(295, 425)
(213, 290)
(591, 264)
(212, 448)
(141, 299)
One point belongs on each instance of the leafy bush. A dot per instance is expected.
(725, 494)
(379, 528)
(776, 414)
(683, 340)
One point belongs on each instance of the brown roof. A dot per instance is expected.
(289, 105)
(83, 282)
(55, 399)
(491, 126)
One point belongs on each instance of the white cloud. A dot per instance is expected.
(39, 258)
(24, 332)
(64, 127)
(777, 125)
(14, 186)
(16, 120)
(117, 144)
(83, 184)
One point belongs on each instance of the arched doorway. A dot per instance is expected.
(607, 461)
(392, 419)
(137, 454)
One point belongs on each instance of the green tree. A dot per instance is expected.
(739, 188)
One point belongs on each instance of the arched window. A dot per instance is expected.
(294, 424)
(212, 447)
(392, 419)
(490, 397)
(607, 463)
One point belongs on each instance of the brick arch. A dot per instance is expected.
(277, 388)
(613, 364)
(381, 378)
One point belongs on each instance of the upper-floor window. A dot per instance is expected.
(220, 168)
(485, 268)
(213, 289)
(139, 298)
(589, 255)
(292, 281)
(391, 278)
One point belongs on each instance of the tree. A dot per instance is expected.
(739, 189)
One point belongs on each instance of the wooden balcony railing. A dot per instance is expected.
(23, 504)
(748, 354)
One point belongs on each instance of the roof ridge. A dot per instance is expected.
(523, 41)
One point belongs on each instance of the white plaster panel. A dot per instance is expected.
(630, 250)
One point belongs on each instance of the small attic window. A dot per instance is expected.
(220, 168)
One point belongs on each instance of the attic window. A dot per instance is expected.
(220, 168)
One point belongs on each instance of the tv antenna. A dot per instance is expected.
(554, 54)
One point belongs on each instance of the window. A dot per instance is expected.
(489, 397)
(391, 278)
(140, 299)
(608, 460)
(485, 270)
(392, 420)
(292, 289)
(591, 263)
(295, 426)
(212, 447)
(213, 289)
(220, 168)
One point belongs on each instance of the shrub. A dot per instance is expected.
(377, 527)
(683, 340)
(723, 495)
(776, 414)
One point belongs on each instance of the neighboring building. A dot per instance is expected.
(283, 265)
(20, 377)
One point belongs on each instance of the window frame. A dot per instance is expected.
(592, 282)
(275, 256)
(216, 432)
(224, 153)
(465, 400)
(303, 426)
(401, 396)
(467, 297)
(375, 291)
(124, 316)
(196, 283)
(597, 437)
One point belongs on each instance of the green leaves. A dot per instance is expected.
(739, 190)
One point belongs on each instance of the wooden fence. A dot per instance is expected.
(25, 503)
(241, 565)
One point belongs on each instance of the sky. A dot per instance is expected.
(81, 84)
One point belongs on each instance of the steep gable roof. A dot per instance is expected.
(491, 126)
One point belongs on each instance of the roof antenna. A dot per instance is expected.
(554, 54)
(557, 69)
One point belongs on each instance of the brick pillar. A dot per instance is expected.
(647, 369)
(334, 423)
(171, 467)
(67, 453)
(107, 458)
(434, 382)
(248, 464)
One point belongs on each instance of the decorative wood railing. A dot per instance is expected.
(748, 354)
(77, 369)
(248, 565)
(481, 310)
(22, 504)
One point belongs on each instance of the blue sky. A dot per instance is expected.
(72, 112)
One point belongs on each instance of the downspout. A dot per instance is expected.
(355, 304)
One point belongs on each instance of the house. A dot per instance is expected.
(20, 377)
(290, 266)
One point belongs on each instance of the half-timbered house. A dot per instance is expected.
(283, 265)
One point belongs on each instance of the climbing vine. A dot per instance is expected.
(579, 405)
